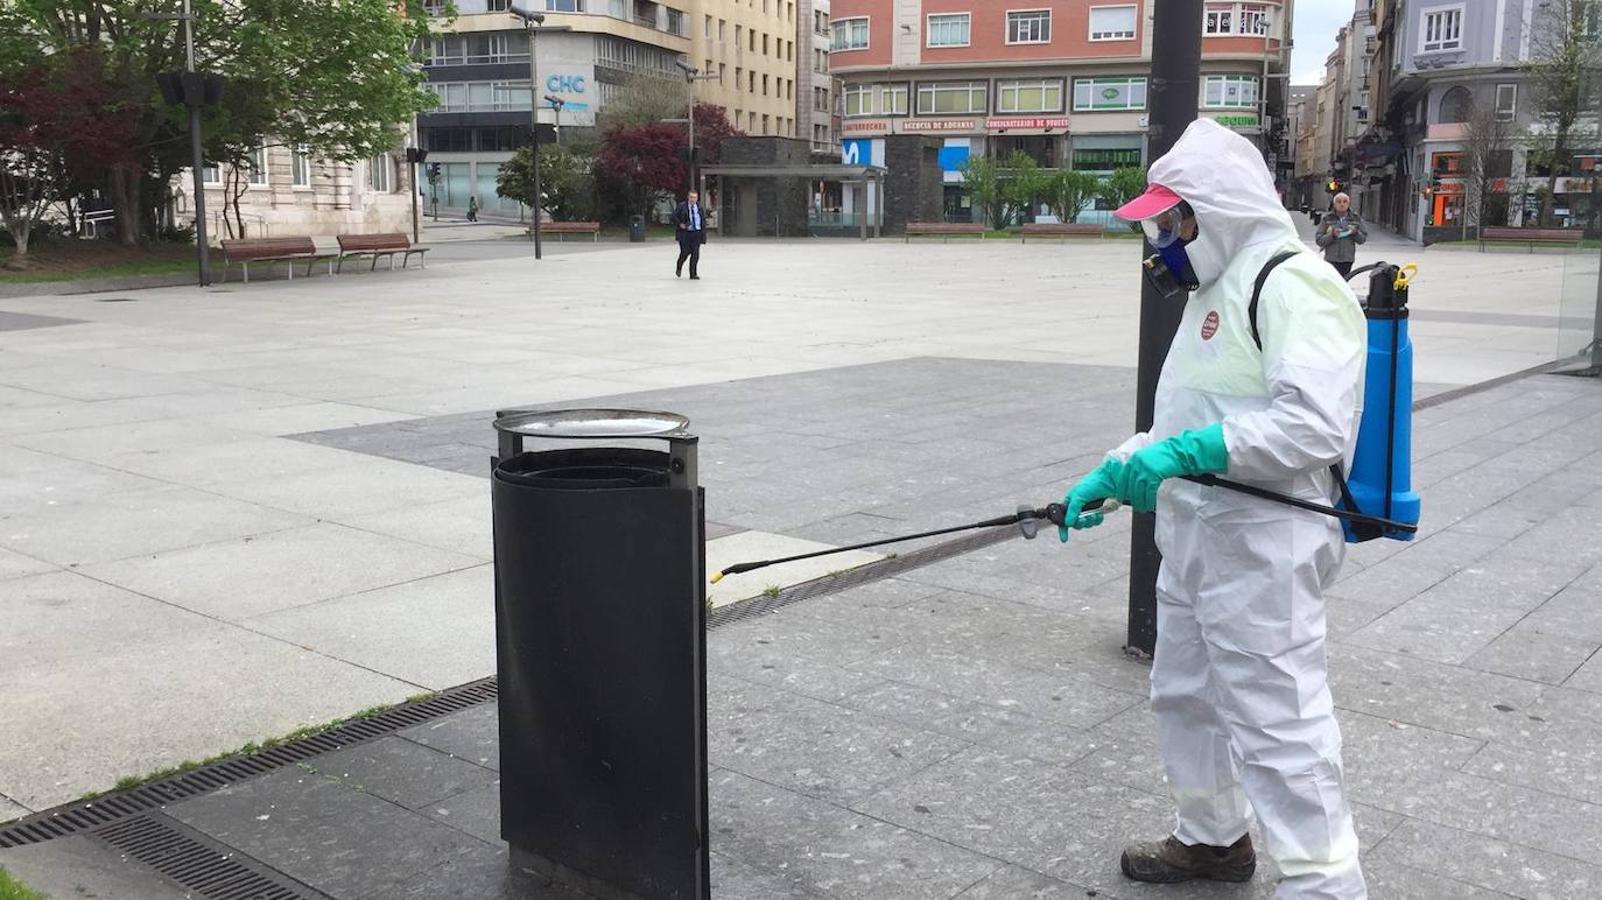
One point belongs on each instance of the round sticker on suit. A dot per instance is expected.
(1209, 325)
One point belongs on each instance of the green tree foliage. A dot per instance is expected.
(1122, 186)
(644, 100)
(335, 77)
(567, 178)
(982, 178)
(1564, 73)
(1069, 192)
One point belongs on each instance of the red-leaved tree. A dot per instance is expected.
(652, 160)
(60, 126)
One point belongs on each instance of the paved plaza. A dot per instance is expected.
(225, 514)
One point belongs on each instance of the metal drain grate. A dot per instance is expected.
(199, 864)
(88, 814)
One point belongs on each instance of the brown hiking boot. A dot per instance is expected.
(1170, 862)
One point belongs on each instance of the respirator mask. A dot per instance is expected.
(1169, 269)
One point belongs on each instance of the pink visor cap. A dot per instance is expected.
(1156, 199)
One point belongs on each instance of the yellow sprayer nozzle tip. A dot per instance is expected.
(717, 577)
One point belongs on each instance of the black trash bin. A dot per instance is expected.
(600, 636)
(636, 229)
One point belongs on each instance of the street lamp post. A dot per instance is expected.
(691, 76)
(556, 104)
(193, 91)
(531, 21)
(415, 157)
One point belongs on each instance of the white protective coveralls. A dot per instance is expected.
(1244, 715)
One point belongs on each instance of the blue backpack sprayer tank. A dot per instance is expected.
(1381, 479)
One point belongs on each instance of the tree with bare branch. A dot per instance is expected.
(1565, 52)
(1487, 156)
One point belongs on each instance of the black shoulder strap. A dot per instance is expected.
(1257, 291)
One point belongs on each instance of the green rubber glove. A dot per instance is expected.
(1100, 484)
(1187, 453)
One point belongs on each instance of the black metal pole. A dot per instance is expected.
(534, 133)
(1174, 93)
(197, 161)
(415, 190)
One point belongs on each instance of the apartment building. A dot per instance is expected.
(751, 47)
(587, 49)
(1301, 108)
(287, 192)
(817, 94)
(1064, 81)
(1432, 67)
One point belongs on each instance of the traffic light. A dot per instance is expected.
(1334, 186)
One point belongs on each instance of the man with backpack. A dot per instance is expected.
(1262, 383)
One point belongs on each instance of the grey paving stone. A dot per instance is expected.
(472, 734)
(1571, 613)
(478, 873)
(79, 866)
(402, 772)
(1067, 825)
(1387, 878)
(1418, 692)
(1523, 652)
(733, 878)
(818, 749)
(1015, 883)
(1455, 618)
(476, 812)
(800, 653)
(1552, 749)
(1064, 697)
(1588, 677)
(973, 722)
(15, 321)
(324, 833)
(1377, 751)
(831, 850)
(1489, 864)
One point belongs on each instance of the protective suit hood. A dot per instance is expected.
(1228, 185)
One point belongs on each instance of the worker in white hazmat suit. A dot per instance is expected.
(1238, 685)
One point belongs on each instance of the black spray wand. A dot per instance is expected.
(1026, 518)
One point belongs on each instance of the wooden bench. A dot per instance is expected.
(1058, 229)
(944, 229)
(1496, 234)
(562, 229)
(354, 246)
(277, 249)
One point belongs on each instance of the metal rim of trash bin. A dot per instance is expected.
(592, 424)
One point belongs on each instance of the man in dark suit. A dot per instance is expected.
(690, 219)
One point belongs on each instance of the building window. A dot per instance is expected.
(1222, 19)
(1229, 92)
(299, 168)
(893, 99)
(258, 166)
(378, 169)
(1112, 23)
(211, 173)
(750, 122)
(1029, 96)
(764, 85)
(859, 99)
(677, 22)
(1457, 106)
(949, 30)
(1029, 27)
(765, 124)
(1096, 94)
(708, 28)
(952, 97)
(1443, 29)
(723, 25)
(850, 34)
(571, 6)
(1105, 160)
(1507, 100)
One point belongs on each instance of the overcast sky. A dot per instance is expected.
(1316, 22)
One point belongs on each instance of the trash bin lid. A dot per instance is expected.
(592, 423)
